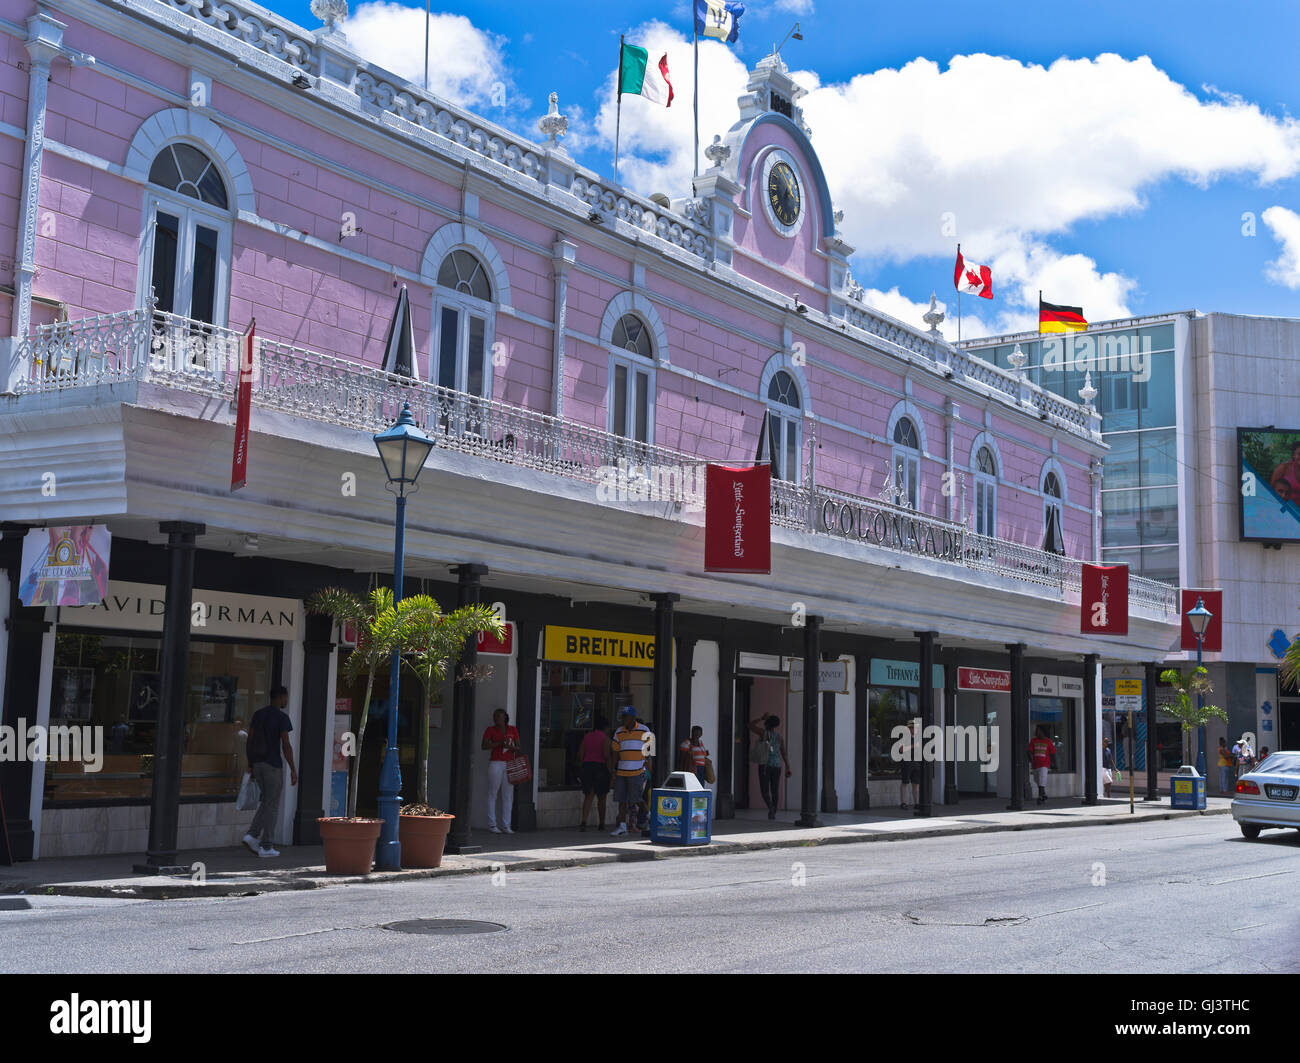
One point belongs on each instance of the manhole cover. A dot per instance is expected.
(444, 926)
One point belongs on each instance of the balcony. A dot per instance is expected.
(171, 352)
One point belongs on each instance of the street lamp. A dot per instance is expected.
(1199, 618)
(403, 449)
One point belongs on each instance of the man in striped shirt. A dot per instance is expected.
(628, 746)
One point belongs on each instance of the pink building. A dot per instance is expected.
(172, 170)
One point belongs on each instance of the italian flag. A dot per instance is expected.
(637, 76)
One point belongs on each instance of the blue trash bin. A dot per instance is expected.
(681, 811)
(1187, 789)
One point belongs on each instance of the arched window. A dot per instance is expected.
(464, 322)
(907, 464)
(188, 235)
(1053, 542)
(631, 380)
(784, 426)
(986, 492)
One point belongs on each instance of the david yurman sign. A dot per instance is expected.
(885, 527)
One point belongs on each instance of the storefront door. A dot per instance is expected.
(976, 710)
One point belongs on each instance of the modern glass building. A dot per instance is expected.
(1136, 367)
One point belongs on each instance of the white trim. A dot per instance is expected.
(907, 408)
(781, 361)
(457, 235)
(190, 213)
(177, 124)
(635, 303)
(981, 479)
(1053, 465)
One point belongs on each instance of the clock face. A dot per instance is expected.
(783, 194)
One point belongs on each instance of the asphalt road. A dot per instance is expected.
(1168, 896)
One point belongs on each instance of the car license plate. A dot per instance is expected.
(1281, 793)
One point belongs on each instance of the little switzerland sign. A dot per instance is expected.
(884, 527)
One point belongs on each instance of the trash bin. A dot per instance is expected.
(681, 811)
(1187, 789)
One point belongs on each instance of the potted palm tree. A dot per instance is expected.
(382, 630)
(436, 640)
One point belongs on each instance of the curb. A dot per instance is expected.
(295, 882)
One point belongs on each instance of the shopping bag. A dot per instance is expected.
(519, 771)
(709, 777)
(250, 796)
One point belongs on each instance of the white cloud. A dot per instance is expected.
(1285, 226)
(1017, 153)
(466, 64)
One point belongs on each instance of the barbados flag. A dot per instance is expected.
(718, 19)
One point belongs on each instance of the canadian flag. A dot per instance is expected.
(968, 277)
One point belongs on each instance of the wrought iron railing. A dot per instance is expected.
(143, 345)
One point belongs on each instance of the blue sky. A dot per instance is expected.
(1120, 183)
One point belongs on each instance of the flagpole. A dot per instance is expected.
(958, 299)
(618, 119)
(427, 16)
(695, 33)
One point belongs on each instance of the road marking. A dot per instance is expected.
(1017, 852)
(303, 934)
(1253, 926)
(1064, 910)
(1248, 878)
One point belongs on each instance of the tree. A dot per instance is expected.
(381, 632)
(1187, 685)
(1291, 663)
(437, 640)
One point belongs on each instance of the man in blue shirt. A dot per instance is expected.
(268, 751)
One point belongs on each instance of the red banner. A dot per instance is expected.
(488, 643)
(244, 403)
(1213, 601)
(990, 679)
(1104, 609)
(738, 519)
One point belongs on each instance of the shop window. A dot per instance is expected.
(888, 708)
(907, 464)
(574, 699)
(631, 380)
(784, 423)
(986, 493)
(464, 323)
(113, 682)
(188, 236)
(1058, 716)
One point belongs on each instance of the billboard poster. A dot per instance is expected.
(66, 565)
(1270, 484)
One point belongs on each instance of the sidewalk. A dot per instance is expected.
(235, 873)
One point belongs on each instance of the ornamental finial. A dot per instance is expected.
(553, 125)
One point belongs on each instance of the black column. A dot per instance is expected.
(26, 628)
(169, 746)
(861, 718)
(1153, 754)
(808, 772)
(927, 718)
(662, 699)
(725, 800)
(950, 790)
(1091, 665)
(1019, 727)
(830, 800)
(459, 840)
(685, 672)
(528, 633)
(316, 729)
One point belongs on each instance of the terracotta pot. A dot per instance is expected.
(349, 844)
(422, 839)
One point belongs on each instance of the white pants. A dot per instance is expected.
(497, 783)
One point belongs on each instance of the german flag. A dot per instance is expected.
(1053, 318)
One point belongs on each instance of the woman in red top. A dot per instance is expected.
(503, 741)
(594, 771)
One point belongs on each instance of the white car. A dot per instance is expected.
(1269, 796)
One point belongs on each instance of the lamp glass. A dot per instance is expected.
(403, 449)
(1199, 617)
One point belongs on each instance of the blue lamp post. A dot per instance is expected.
(1199, 618)
(403, 449)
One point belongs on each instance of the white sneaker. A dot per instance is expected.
(621, 829)
(495, 830)
(268, 852)
(506, 830)
(251, 844)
